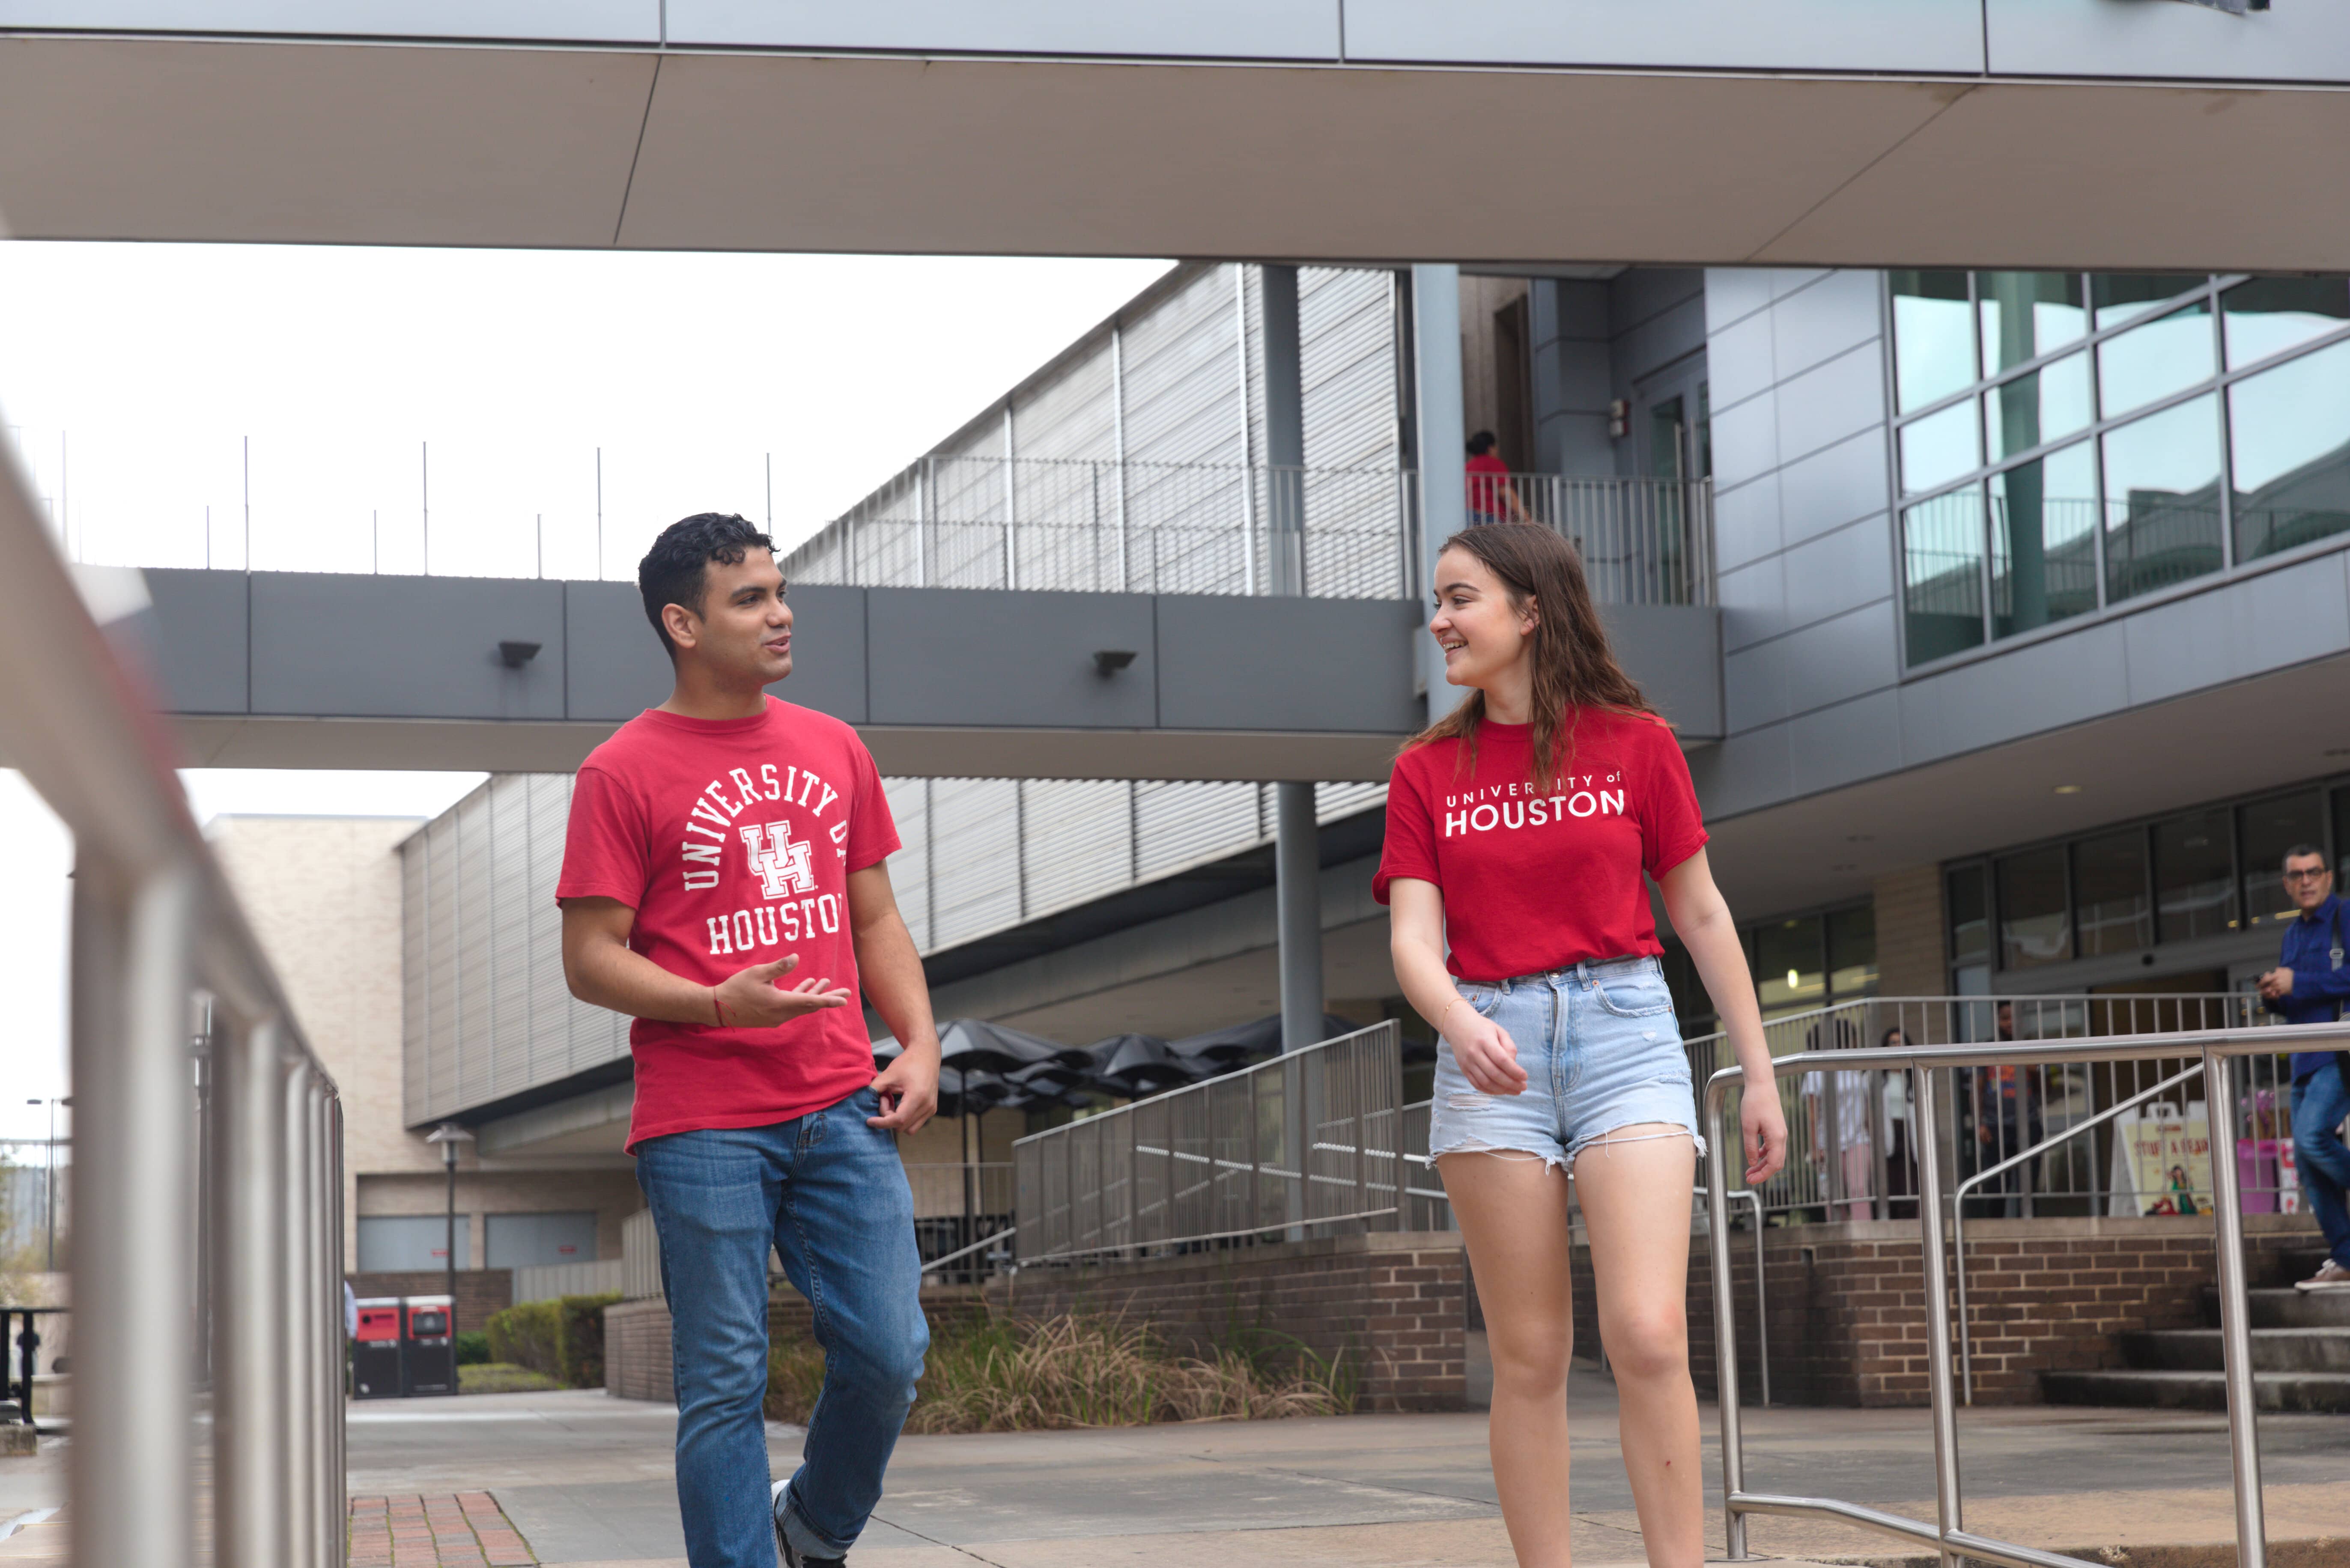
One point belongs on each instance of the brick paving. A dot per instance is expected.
(466, 1530)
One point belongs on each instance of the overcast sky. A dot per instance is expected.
(166, 398)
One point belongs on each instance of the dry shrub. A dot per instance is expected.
(1066, 1371)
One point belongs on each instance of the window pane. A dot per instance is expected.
(2162, 498)
(1852, 952)
(1943, 553)
(2043, 541)
(2289, 436)
(2047, 405)
(2026, 313)
(2271, 315)
(1937, 449)
(2270, 827)
(2119, 295)
(1933, 349)
(2033, 925)
(2109, 892)
(1970, 914)
(1788, 969)
(2194, 877)
(2155, 361)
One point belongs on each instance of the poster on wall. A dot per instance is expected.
(2169, 1155)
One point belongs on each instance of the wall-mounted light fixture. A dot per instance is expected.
(515, 655)
(1108, 661)
(1619, 418)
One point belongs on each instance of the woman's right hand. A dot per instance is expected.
(1487, 1055)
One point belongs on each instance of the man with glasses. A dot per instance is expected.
(2309, 985)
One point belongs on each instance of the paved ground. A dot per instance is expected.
(584, 1479)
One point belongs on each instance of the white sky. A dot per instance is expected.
(330, 392)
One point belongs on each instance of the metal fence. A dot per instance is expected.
(552, 1282)
(1643, 541)
(2218, 1055)
(208, 1138)
(1291, 1147)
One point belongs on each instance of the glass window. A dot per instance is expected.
(2043, 541)
(1852, 952)
(2155, 359)
(2121, 295)
(2194, 877)
(2289, 437)
(1939, 448)
(1970, 914)
(2047, 405)
(2034, 927)
(2114, 912)
(2026, 313)
(2270, 828)
(1933, 347)
(1789, 971)
(2271, 315)
(2162, 498)
(1942, 559)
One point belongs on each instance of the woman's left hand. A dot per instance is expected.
(1764, 1128)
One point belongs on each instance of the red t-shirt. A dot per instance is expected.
(1535, 882)
(1489, 481)
(732, 840)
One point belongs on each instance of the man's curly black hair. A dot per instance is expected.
(673, 571)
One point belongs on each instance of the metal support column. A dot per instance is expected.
(1443, 476)
(1284, 432)
(1297, 858)
(1947, 1506)
(250, 1400)
(2235, 1321)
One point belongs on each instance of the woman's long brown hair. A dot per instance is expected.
(1574, 667)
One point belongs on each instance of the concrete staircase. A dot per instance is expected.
(2301, 1356)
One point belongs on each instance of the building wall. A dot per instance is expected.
(613, 1194)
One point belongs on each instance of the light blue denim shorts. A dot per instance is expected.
(1601, 1052)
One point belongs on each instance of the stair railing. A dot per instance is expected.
(1959, 1206)
(1948, 1535)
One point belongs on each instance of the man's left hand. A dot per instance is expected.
(2277, 984)
(908, 1088)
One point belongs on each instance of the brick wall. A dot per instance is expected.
(1395, 1304)
(1910, 942)
(637, 1362)
(479, 1292)
(1847, 1302)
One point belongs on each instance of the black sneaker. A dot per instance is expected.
(792, 1555)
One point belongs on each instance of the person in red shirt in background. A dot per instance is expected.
(1491, 497)
(1523, 830)
(725, 884)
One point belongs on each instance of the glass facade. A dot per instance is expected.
(2068, 441)
(1799, 963)
(2130, 889)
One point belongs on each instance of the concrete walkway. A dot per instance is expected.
(585, 1479)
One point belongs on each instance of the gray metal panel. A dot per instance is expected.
(1832, 487)
(2292, 42)
(1674, 651)
(1833, 661)
(1345, 331)
(2248, 627)
(1074, 415)
(910, 868)
(1830, 401)
(1080, 840)
(1740, 360)
(828, 652)
(200, 627)
(568, 21)
(1755, 35)
(1734, 293)
(945, 657)
(1197, 29)
(1839, 571)
(1344, 664)
(1849, 742)
(1746, 520)
(2040, 686)
(613, 664)
(974, 838)
(1838, 311)
(1183, 384)
(1179, 824)
(404, 646)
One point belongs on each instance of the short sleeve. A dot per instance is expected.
(604, 843)
(1410, 847)
(872, 831)
(1672, 828)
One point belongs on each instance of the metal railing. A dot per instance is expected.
(2215, 1051)
(1643, 541)
(1285, 1150)
(552, 1282)
(208, 1138)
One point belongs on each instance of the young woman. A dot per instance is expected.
(1519, 831)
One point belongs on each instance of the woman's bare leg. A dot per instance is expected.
(1512, 1214)
(1635, 1189)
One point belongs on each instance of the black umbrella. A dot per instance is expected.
(976, 1045)
(1240, 1043)
(1140, 1064)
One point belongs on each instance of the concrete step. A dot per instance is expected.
(2286, 1308)
(2317, 1391)
(2274, 1350)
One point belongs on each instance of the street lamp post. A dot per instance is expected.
(448, 1134)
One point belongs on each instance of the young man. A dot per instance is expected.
(2308, 986)
(718, 843)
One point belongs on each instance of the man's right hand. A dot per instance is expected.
(750, 998)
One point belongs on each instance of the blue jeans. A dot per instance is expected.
(830, 1194)
(2319, 1104)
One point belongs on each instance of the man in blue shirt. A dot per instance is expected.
(2309, 985)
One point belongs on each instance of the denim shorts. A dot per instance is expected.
(1601, 1052)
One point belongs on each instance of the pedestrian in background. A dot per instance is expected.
(1844, 1181)
(1491, 497)
(2308, 986)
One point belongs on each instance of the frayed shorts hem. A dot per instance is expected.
(1555, 1157)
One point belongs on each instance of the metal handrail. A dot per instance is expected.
(1958, 1208)
(1949, 1535)
(981, 1245)
(154, 923)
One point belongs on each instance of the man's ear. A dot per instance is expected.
(684, 626)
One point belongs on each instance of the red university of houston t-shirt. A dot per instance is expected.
(1535, 880)
(732, 840)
